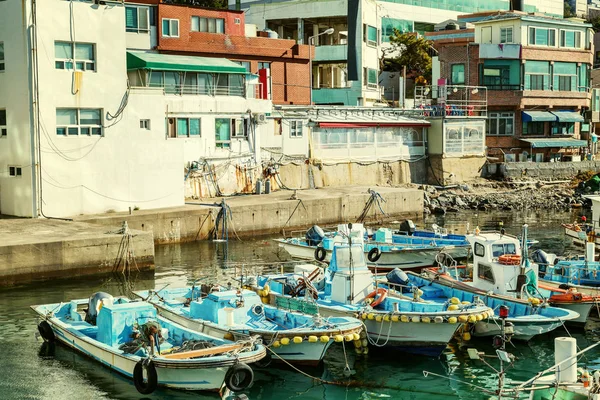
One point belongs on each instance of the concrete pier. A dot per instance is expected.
(274, 213)
(37, 249)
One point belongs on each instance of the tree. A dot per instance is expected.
(568, 10)
(595, 21)
(222, 4)
(408, 51)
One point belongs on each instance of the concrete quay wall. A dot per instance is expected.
(254, 215)
(33, 250)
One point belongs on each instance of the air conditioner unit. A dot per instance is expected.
(260, 118)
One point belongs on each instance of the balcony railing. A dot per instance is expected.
(451, 101)
(250, 90)
(503, 87)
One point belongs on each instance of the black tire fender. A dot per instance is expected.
(374, 254)
(46, 332)
(239, 377)
(320, 253)
(148, 386)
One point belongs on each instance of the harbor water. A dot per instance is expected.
(29, 370)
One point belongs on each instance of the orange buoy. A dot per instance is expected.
(510, 259)
(381, 292)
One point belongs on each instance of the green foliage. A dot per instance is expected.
(410, 51)
(222, 4)
(595, 21)
(568, 11)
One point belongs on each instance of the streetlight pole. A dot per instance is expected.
(328, 31)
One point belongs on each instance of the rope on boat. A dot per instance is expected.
(376, 199)
(292, 214)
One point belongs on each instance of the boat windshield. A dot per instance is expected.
(502, 249)
(342, 255)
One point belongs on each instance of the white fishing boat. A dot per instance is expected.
(184, 359)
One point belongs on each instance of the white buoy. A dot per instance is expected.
(229, 316)
(564, 348)
(590, 251)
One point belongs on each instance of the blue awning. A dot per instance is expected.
(534, 116)
(558, 142)
(568, 116)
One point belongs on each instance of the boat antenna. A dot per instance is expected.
(522, 279)
(351, 266)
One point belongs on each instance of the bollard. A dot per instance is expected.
(267, 186)
(258, 187)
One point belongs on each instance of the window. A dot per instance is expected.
(188, 127)
(537, 75)
(502, 249)
(78, 56)
(14, 171)
(506, 35)
(542, 37)
(565, 76)
(457, 74)
(170, 27)
(145, 124)
(2, 56)
(211, 25)
(563, 128)
(485, 272)
(533, 128)
(137, 19)
(370, 77)
(295, 128)
(370, 35)
(497, 78)
(389, 24)
(479, 250)
(564, 83)
(223, 133)
(501, 124)
(78, 121)
(570, 39)
(245, 64)
(3, 129)
(237, 21)
(536, 82)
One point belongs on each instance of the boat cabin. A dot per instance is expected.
(228, 308)
(348, 279)
(497, 262)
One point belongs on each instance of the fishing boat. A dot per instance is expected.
(499, 277)
(185, 359)
(238, 314)
(381, 252)
(348, 288)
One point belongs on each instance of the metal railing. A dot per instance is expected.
(250, 90)
(451, 101)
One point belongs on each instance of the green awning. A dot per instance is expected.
(551, 142)
(167, 62)
(534, 116)
(568, 116)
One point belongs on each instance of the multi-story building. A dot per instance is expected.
(376, 21)
(536, 70)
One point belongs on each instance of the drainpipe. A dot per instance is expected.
(33, 101)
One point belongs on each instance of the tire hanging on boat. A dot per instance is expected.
(374, 254)
(239, 377)
(46, 332)
(138, 377)
(320, 253)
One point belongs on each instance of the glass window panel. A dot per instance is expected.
(61, 131)
(204, 83)
(72, 131)
(236, 85)
(63, 50)
(143, 15)
(195, 24)
(194, 127)
(84, 51)
(89, 117)
(166, 31)
(175, 27)
(2, 117)
(372, 78)
(222, 129)
(1, 51)
(79, 66)
(182, 127)
(541, 37)
(85, 130)
(171, 81)
(551, 37)
(531, 35)
(156, 79)
(96, 131)
(66, 116)
(212, 25)
(131, 18)
(458, 74)
(203, 25)
(220, 25)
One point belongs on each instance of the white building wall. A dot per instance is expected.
(15, 149)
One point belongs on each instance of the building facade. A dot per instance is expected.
(536, 70)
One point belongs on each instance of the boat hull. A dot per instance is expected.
(583, 309)
(591, 290)
(524, 330)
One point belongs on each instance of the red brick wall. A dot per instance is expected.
(185, 13)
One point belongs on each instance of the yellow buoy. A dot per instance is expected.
(358, 350)
(285, 341)
(472, 318)
(479, 317)
(363, 334)
(454, 300)
(349, 337)
(356, 336)
(338, 338)
(415, 319)
(452, 307)
(378, 318)
(463, 318)
(228, 336)
(357, 344)
(371, 316)
(265, 299)
(365, 342)
(403, 318)
(438, 320)
(363, 315)
(466, 336)
(324, 339)
(452, 320)
(425, 320)
(365, 350)
(313, 339)
(266, 290)
(276, 343)
(395, 318)
(466, 303)
(297, 339)
(386, 318)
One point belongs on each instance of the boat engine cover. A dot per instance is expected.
(398, 277)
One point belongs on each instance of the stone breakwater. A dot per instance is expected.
(504, 196)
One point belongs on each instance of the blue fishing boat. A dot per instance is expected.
(295, 337)
(109, 331)
(348, 288)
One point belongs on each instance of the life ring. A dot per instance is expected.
(510, 259)
(320, 253)
(148, 386)
(46, 332)
(239, 377)
(374, 254)
(377, 300)
(265, 361)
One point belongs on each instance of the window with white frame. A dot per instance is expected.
(210, 25)
(3, 126)
(2, 56)
(370, 35)
(188, 127)
(295, 128)
(370, 77)
(78, 121)
(570, 39)
(506, 35)
(15, 171)
(237, 21)
(542, 37)
(72, 55)
(501, 124)
(227, 128)
(170, 27)
(145, 124)
(137, 19)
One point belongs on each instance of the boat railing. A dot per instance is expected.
(578, 276)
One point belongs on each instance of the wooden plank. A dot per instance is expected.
(202, 352)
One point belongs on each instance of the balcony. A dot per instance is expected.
(331, 53)
(499, 51)
(250, 91)
(451, 101)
